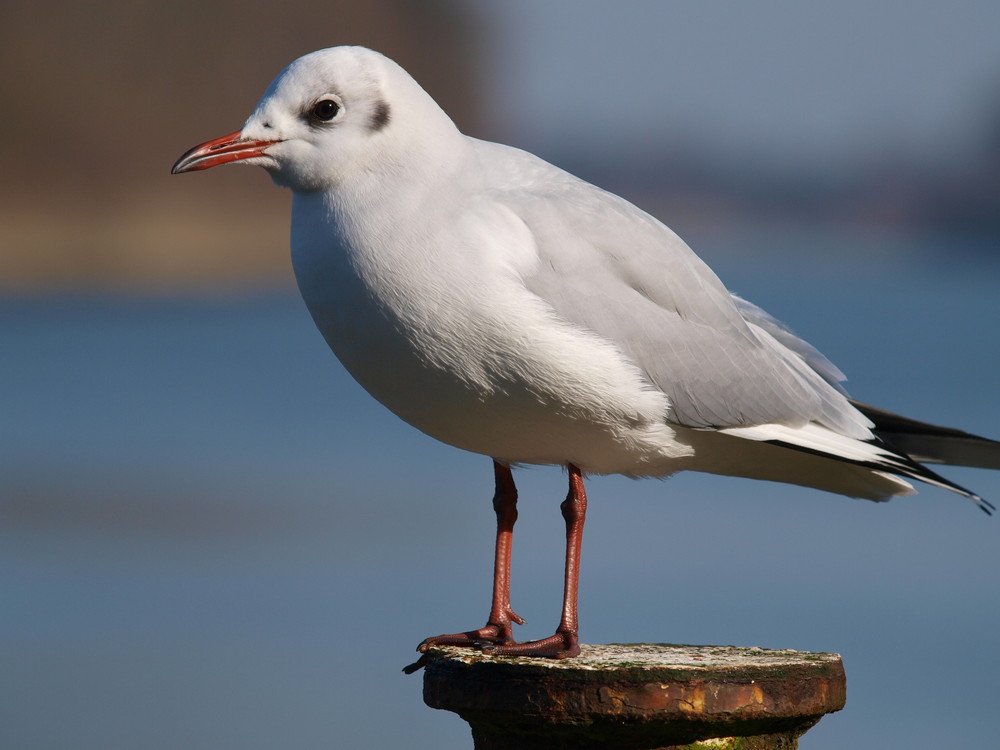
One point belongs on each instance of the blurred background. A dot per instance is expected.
(210, 537)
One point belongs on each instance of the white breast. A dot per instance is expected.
(442, 334)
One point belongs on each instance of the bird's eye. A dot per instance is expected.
(325, 110)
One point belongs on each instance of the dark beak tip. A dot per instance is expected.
(186, 161)
(225, 150)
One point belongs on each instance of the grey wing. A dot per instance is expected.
(812, 356)
(609, 267)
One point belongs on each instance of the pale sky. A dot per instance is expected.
(783, 78)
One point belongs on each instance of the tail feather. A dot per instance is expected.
(881, 454)
(922, 442)
(928, 443)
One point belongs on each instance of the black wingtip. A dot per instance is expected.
(984, 505)
(899, 463)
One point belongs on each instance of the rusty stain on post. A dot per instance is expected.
(638, 696)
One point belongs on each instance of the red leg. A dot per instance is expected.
(565, 642)
(499, 627)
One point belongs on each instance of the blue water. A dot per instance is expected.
(211, 538)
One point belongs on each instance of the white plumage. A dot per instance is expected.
(508, 308)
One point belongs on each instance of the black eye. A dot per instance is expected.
(325, 110)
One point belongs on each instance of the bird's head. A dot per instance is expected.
(327, 116)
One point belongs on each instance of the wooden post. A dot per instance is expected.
(638, 697)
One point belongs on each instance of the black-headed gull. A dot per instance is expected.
(506, 307)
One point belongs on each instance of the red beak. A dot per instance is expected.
(222, 150)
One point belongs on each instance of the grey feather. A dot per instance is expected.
(669, 313)
(809, 353)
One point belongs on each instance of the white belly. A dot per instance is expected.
(473, 368)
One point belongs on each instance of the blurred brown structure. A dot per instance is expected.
(99, 99)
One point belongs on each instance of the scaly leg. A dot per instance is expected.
(499, 628)
(565, 642)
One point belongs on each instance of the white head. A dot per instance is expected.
(331, 115)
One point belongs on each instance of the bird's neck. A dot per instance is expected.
(399, 188)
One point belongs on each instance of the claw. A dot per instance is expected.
(496, 633)
(561, 645)
(419, 664)
(470, 640)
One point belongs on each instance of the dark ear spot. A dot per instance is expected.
(380, 116)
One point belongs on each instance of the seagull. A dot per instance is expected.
(508, 308)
